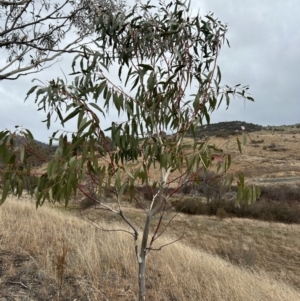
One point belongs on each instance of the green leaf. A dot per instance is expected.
(228, 161)
(22, 152)
(128, 75)
(151, 82)
(20, 188)
(31, 91)
(244, 138)
(29, 134)
(128, 172)
(219, 74)
(239, 145)
(4, 193)
(97, 108)
(135, 83)
(121, 190)
(147, 67)
(179, 68)
(3, 134)
(71, 115)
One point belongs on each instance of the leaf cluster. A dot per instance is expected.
(161, 52)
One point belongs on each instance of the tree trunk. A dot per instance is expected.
(142, 258)
(142, 279)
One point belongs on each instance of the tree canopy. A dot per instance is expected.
(167, 82)
(33, 32)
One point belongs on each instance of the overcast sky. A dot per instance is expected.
(264, 54)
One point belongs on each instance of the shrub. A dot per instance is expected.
(277, 211)
(274, 148)
(187, 189)
(209, 185)
(191, 205)
(283, 193)
(195, 205)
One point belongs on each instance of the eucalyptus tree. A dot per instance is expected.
(167, 81)
(33, 32)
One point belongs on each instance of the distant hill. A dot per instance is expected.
(225, 129)
(220, 129)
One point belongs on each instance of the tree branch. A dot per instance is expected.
(14, 3)
(48, 59)
(108, 230)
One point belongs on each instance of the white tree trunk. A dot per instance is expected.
(142, 258)
(142, 279)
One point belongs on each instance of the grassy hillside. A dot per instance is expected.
(56, 254)
(101, 265)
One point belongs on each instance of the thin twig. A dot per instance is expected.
(170, 243)
(20, 283)
(167, 225)
(108, 230)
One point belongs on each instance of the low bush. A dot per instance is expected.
(191, 205)
(272, 147)
(282, 193)
(262, 210)
(187, 189)
(226, 134)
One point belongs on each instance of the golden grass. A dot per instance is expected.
(259, 161)
(256, 160)
(262, 246)
(101, 265)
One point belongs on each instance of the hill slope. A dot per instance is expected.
(101, 265)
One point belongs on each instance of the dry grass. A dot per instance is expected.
(51, 254)
(257, 162)
(102, 266)
(262, 161)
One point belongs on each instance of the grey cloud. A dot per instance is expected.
(264, 40)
